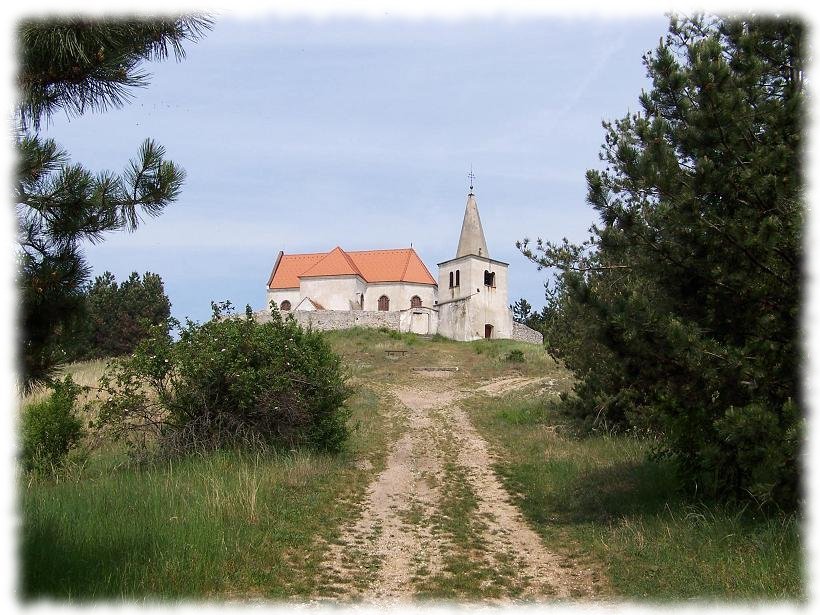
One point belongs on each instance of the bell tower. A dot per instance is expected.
(472, 287)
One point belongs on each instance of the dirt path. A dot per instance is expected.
(404, 543)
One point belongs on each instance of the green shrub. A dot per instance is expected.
(516, 355)
(50, 428)
(230, 381)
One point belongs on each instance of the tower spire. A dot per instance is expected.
(472, 239)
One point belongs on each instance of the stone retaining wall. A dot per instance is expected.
(332, 320)
(523, 333)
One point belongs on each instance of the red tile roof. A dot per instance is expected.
(402, 265)
(287, 268)
(335, 262)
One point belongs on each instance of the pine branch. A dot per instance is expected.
(79, 65)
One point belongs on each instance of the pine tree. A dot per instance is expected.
(686, 297)
(118, 316)
(77, 65)
(521, 310)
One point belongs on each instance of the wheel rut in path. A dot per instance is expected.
(397, 542)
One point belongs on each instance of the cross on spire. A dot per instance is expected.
(472, 177)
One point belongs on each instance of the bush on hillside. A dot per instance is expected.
(50, 428)
(516, 355)
(230, 381)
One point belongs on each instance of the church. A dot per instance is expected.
(394, 289)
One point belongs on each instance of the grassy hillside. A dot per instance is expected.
(228, 524)
(606, 500)
(245, 525)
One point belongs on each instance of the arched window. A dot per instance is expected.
(415, 301)
(451, 279)
(458, 281)
(285, 305)
(384, 303)
(489, 278)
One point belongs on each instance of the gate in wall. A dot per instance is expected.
(420, 323)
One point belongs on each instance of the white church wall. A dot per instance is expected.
(342, 293)
(305, 305)
(445, 292)
(490, 304)
(332, 292)
(453, 319)
(399, 294)
(283, 294)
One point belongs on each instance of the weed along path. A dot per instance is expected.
(437, 522)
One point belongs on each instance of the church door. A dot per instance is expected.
(488, 331)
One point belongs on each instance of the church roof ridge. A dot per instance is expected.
(335, 262)
(407, 262)
(348, 259)
(373, 266)
(380, 250)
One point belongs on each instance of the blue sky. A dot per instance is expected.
(301, 135)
